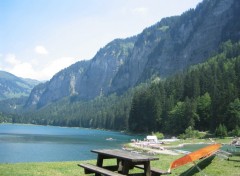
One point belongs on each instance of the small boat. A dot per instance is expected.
(236, 142)
(233, 147)
(234, 150)
(204, 152)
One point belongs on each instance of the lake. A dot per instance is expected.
(32, 143)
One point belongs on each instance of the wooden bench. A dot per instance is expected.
(90, 168)
(154, 171)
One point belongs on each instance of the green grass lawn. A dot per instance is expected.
(41, 169)
(216, 167)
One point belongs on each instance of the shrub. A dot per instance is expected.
(221, 131)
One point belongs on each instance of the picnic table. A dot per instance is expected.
(125, 162)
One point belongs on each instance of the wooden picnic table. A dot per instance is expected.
(125, 160)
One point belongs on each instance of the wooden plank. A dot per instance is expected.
(154, 171)
(111, 168)
(125, 155)
(95, 169)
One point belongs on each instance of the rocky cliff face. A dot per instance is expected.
(171, 45)
(85, 79)
(178, 42)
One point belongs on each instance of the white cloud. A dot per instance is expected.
(57, 65)
(41, 50)
(36, 68)
(134, 11)
(17, 67)
(11, 59)
(140, 10)
(54, 66)
(24, 70)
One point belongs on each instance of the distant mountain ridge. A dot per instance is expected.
(12, 86)
(161, 50)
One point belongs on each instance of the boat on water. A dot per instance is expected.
(233, 147)
(234, 150)
(110, 139)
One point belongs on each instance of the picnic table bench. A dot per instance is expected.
(90, 168)
(125, 162)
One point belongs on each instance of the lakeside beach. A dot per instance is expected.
(175, 146)
(153, 148)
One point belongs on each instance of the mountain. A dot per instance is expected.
(171, 45)
(84, 79)
(12, 86)
(175, 43)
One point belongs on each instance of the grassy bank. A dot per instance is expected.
(217, 166)
(41, 169)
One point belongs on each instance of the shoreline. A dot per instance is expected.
(153, 149)
(160, 148)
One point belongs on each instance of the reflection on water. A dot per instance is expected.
(30, 143)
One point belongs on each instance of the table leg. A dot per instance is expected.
(120, 165)
(99, 163)
(126, 167)
(100, 160)
(147, 169)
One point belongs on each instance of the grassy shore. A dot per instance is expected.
(42, 169)
(216, 166)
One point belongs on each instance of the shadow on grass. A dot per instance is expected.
(234, 160)
(202, 165)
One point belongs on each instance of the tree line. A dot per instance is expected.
(204, 97)
(110, 112)
(5, 118)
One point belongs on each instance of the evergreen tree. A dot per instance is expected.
(221, 131)
(233, 114)
(204, 112)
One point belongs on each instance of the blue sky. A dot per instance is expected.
(38, 38)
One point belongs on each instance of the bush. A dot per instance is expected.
(236, 131)
(159, 135)
(221, 131)
(190, 133)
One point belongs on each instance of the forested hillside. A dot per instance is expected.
(203, 97)
(5, 118)
(110, 112)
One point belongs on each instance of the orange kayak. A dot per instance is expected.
(196, 155)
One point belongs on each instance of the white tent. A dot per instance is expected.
(152, 138)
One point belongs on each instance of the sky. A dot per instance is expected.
(38, 38)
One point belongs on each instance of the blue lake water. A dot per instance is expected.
(31, 143)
